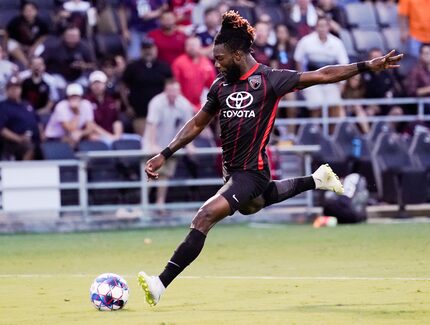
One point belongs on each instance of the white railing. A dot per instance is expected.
(325, 120)
(83, 186)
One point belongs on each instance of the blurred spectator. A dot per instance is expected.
(334, 14)
(414, 18)
(304, 16)
(18, 124)
(38, 87)
(26, 32)
(380, 84)
(262, 50)
(108, 126)
(183, 10)
(354, 88)
(283, 58)
(314, 51)
(168, 39)
(137, 18)
(73, 118)
(167, 113)
(69, 59)
(207, 32)
(76, 13)
(194, 72)
(7, 70)
(143, 79)
(265, 18)
(283, 52)
(113, 71)
(418, 80)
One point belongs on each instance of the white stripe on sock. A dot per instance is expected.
(174, 264)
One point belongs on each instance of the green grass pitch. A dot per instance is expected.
(366, 274)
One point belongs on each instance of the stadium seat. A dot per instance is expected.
(396, 177)
(346, 38)
(46, 4)
(275, 12)
(311, 134)
(47, 16)
(392, 39)
(101, 170)
(183, 171)
(420, 150)
(376, 129)
(9, 4)
(109, 44)
(6, 16)
(367, 39)
(246, 12)
(387, 14)
(57, 150)
(129, 168)
(361, 15)
(355, 147)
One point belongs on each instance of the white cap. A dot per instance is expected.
(98, 76)
(74, 90)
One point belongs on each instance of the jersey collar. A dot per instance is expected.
(250, 72)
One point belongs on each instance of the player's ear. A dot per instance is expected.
(237, 55)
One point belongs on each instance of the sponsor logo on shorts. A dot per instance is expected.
(235, 198)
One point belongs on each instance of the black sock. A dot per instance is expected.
(186, 252)
(278, 191)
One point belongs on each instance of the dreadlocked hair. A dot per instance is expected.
(236, 32)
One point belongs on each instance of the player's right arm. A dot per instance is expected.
(187, 134)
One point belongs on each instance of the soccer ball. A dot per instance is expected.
(109, 291)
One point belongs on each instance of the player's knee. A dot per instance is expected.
(247, 210)
(253, 206)
(204, 219)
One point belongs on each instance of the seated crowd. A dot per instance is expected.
(92, 70)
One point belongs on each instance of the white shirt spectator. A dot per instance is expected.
(167, 118)
(7, 69)
(313, 54)
(63, 113)
(76, 6)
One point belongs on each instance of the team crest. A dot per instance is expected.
(255, 82)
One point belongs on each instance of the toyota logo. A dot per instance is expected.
(239, 100)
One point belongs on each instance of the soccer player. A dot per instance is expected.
(245, 95)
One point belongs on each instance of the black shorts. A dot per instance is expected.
(242, 186)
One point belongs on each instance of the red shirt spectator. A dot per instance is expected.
(193, 71)
(169, 41)
(418, 80)
(105, 108)
(106, 111)
(183, 10)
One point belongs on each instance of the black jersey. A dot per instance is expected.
(247, 110)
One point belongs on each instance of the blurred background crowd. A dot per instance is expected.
(105, 71)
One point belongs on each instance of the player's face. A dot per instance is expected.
(227, 63)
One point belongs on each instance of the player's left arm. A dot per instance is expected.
(335, 73)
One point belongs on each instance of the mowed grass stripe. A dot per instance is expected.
(230, 277)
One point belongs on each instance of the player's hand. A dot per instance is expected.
(154, 164)
(388, 61)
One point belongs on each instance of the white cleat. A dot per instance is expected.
(326, 179)
(152, 287)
